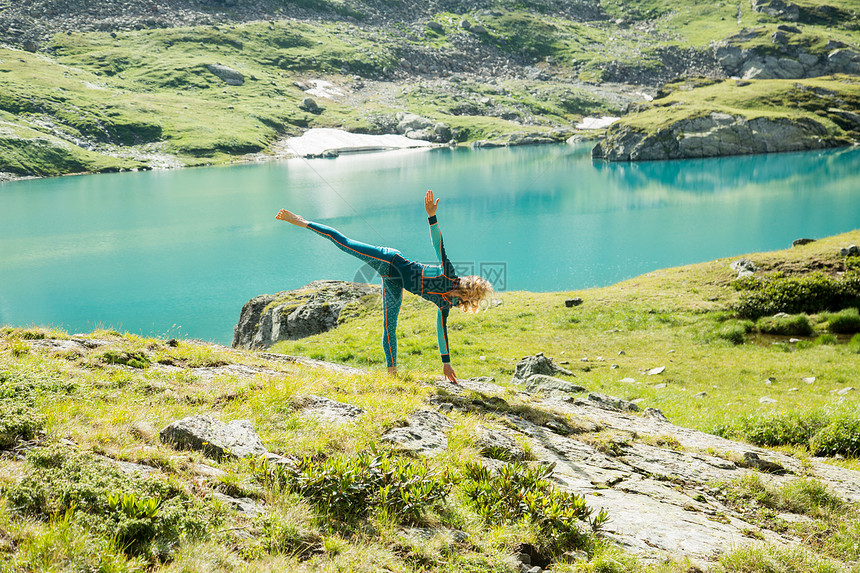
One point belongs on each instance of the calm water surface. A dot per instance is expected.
(177, 253)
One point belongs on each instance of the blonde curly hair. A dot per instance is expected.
(471, 292)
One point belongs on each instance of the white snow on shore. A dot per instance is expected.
(322, 141)
(596, 122)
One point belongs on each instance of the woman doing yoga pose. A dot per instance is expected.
(437, 283)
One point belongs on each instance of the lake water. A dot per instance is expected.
(177, 253)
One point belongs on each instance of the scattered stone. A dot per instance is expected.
(328, 409)
(614, 367)
(655, 371)
(753, 461)
(792, 389)
(654, 414)
(446, 407)
(144, 430)
(801, 242)
(131, 468)
(744, 267)
(628, 380)
(537, 364)
(700, 395)
(213, 437)
(576, 301)
(766, 400)
(310, 105)
(546, 384)
(227, 74)
(846, 390)
(808, 379)
(244, 505)
(611, 403)
(851, 251)
(660, 386)
(425, 433)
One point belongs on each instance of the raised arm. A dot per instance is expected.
(436, 235)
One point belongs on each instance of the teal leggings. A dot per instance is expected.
(379, 259)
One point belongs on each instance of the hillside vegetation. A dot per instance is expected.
(86, 483)
(131, 86)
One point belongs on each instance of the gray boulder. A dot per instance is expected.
(744, 267)
(537, 364)
(316, 307)
(546, 384)
(327, 409)
(777, 9)
(226, 74)
(213, 437)
(309, 104)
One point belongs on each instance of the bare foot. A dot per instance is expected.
(290, 217)
(392, 371)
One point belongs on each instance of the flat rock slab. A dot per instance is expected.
(425, 433)
(327, 409)
(339, 368)
(546, 384)
(213, 437)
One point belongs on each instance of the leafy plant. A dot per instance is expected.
(516, 492)
(345, 489)
(841, 436)
(18, 421)
(145, 517)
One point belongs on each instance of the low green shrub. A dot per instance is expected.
(346, 489)
(786, 325)
(734, 331)
(841, 436)
(133, 359)
(144, 516)
(780, 430)
(826, 340)
(803, 496)
(18, 422)
(516, 492)
(846, 321)
(775, 293)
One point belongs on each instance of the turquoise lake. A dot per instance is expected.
(177, 253)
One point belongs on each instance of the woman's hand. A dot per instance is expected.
(290, 217)
(448, 371)
(429, 204)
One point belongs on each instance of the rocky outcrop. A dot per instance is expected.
(290, 315)
(537, 364)
(712, 135)
(789, 60)
(227, 74)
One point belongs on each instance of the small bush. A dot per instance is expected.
(781, 430)
(734, 331)
(847, 321)
(772, 294)
(826, 340)
(345, 489)
(145, 517)
(517, 492)
(841, 436)
(786, 325)
(803, 496)
(18, 422)
(133, 359)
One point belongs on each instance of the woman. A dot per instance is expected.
(437, 283)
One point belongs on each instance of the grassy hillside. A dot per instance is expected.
(101, 101)
(72, 409)
(718, 363)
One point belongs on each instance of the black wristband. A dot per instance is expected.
(432, 219)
